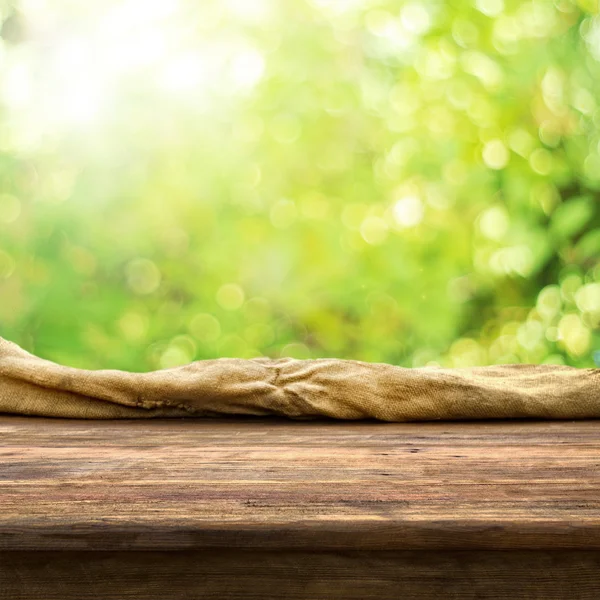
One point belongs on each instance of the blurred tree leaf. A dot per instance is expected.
(570, 217)
(588, 247)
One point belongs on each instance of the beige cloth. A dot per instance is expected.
(299, 389)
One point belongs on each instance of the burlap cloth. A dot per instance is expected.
(298, 389)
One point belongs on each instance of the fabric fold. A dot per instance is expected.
(297, 389)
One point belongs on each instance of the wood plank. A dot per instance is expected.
(221, 574)
(271, 483)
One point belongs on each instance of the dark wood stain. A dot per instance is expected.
(300, 575)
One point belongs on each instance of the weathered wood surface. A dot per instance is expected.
(272, 484)
(265, 509)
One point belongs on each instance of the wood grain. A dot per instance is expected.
(221, 574)
(273, 484)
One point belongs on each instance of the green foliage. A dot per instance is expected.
(570, 217)
(406, 182)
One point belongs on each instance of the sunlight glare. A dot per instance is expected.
(185, 73)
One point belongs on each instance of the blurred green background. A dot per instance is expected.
(407, 182)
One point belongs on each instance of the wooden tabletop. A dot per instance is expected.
(272, 483)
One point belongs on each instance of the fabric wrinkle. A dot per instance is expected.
(328, 388)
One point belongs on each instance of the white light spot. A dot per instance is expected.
(247, 68)
(184, 73)
(587, 298)
(408, 212)
(494, 223)
(490, 8)
(415, 18)
(592, 38)
(17, 88)
(254, 10)
(495, 155)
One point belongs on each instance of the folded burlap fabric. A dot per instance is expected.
(299, 389)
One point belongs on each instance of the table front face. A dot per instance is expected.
(270, 483)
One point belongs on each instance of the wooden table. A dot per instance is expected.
(267, 508)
